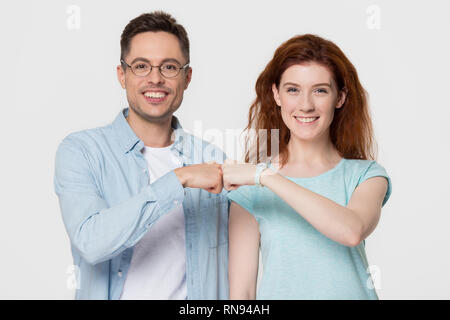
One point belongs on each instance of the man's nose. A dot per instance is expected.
(155, 76)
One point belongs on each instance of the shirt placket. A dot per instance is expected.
(191, 273)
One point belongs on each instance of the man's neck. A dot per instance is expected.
(153, 134)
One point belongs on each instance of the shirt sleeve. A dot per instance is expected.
(97, 231)
(243, 197)
(376, 170)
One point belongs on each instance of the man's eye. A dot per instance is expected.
(140, 66)
(169, 67)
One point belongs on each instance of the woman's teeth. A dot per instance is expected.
(154, 94)
(306, 120)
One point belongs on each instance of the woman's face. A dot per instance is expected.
(308, 97)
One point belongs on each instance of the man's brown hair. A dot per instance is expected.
(154, 21)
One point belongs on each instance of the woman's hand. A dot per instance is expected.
(237, 174)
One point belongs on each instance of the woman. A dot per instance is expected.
(322, 193)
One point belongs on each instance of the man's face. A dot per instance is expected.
(154, 97)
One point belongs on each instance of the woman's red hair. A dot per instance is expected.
(351, 130)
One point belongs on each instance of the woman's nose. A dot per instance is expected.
(306, 103)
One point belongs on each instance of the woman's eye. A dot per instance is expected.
(293, 90)
(321, 90)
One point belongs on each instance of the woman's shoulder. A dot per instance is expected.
(357, 171)
(360, 167)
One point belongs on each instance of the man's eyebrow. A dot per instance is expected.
(171, 60)
(140, 59)
(148, 61)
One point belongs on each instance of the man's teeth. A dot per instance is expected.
(306, 119)
(154, 94)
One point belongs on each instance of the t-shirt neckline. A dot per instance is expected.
(315, 177)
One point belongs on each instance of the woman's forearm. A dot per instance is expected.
(336, 222)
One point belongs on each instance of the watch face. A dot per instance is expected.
(262, 165)
(259, 168)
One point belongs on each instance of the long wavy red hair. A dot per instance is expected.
(351, 131)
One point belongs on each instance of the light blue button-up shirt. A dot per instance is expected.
(107, 205)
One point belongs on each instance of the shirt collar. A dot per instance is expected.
(129, 140)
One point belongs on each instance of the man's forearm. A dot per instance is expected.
(99, 232)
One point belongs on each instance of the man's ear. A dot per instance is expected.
(188, 78)
(276, 95)
(121, 76)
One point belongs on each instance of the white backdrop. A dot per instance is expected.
(58, 61)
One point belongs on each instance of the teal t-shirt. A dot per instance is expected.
(298, 261)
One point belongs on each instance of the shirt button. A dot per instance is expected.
(119, 273)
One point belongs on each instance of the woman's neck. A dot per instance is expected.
(312, 152)
(309, 158)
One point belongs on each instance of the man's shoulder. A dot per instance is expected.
(88, 139)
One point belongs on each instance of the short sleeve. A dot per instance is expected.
(376, 170)
(243, 197)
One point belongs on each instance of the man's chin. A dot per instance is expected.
(154, 115)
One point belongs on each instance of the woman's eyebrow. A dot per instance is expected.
(315, 85)
(291, 84)
(322, 84)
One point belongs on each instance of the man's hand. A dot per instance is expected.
(206, 176)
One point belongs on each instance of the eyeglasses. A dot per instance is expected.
(167, 69)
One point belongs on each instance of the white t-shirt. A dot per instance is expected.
(158, 266)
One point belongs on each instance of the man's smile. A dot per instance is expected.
(155, 96)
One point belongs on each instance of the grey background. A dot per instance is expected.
(55, 80)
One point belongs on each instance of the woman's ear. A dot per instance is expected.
(342, 97)
(276, 95)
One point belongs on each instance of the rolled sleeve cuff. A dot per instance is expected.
(167, 191)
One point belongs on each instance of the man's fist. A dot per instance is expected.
(206, 176)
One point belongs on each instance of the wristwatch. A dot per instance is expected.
(260, 167)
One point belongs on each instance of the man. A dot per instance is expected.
(141, 199)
